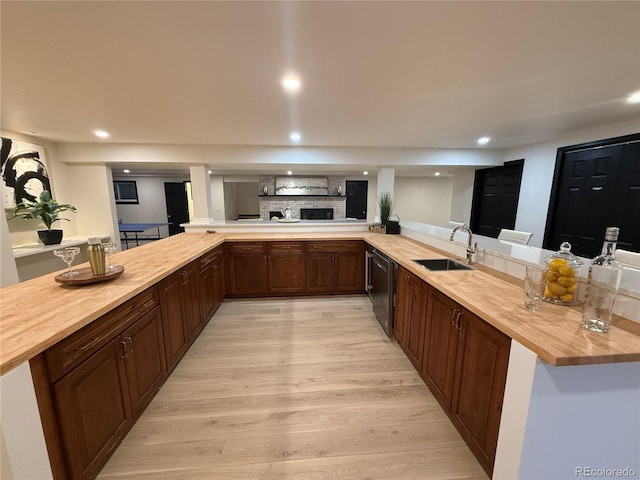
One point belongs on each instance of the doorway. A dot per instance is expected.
(357, 199)
(595, 185)
(495, 198)
(175, 194)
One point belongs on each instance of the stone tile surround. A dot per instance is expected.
(295, 203)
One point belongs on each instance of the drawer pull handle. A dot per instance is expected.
(130, 342)
(89, 345)
(124, 349)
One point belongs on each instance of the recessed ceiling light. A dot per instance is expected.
(365, 173)
(634, 97)
(289, 172)
(101, 134)
(291, 83)
(437, 174)
(483, 140)
(126, 170)
(210, 172)
(295, 137)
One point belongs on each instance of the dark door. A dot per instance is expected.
(177, 207)
(595, 186)
(357, 199)
(495, 198)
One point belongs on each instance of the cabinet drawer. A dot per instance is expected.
(70, 352)
(286, 247)
(240, 248)
(334, 247)
(210, 257)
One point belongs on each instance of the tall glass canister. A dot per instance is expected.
(96, 256)
(605, 273)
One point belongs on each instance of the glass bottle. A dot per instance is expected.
(96, 256)
(605, 273)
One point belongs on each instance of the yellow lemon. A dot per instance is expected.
(566, 281)
(567, 271)
(572, 288)
(552, 276)
(548, 293)
(556, 263)
(556, 288)
(567, 297)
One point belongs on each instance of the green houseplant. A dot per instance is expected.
(385, 204)
(46, 209)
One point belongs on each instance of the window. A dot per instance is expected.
(125, 192)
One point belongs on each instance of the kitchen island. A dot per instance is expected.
(556, 369)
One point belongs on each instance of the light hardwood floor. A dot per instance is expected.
(307, 388)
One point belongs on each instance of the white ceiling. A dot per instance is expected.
(392, 74)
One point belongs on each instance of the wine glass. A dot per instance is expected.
(67, 254)
(109, 248)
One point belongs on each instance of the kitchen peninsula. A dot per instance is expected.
(556, 370)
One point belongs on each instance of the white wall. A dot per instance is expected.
(152, 207)
(462, 195)
(423, 199)
(247, 198)
(537, 175)
(231, 200)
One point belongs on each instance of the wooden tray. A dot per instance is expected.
(85, 277)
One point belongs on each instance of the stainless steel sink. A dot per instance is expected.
(441, 264)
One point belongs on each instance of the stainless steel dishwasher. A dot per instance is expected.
(381, 287)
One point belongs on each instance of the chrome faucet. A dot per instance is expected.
(471, 247)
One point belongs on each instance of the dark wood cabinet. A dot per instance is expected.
(286, 267)
(248, 272)
(180, 300)
(93, 410)
(480, 380)
(175, 338)
(412, 297)
(465, 366)
(97, 381)
(335, 267)
(441, 346)
(145, 359)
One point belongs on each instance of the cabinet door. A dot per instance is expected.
(248, 274)
(207, 287)
(404, 297)
(481, 374)
(175, 340)
(319, 272)
(287, 273)
(145, 359)
(349, 271)
(416, 321)
(190, 292)
(218, 281)
(93, 409)
(440, 348)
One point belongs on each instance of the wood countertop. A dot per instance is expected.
(38, 313)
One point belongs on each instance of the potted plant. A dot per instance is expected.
(385, 203)
(45, 209)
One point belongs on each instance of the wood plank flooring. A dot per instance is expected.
(304, 388)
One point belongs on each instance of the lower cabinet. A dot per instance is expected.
(211, 283)
(411, 315)
(180, 305)
(465, 365)
(286, 267)
(335, 267)
(96, 382)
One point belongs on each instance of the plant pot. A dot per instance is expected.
(50, 237)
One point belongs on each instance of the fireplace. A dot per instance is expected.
(316, 213)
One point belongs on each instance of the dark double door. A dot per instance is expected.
(595, 188)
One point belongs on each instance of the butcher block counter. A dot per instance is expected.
(38, 313)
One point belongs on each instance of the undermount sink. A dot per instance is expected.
(442, 264)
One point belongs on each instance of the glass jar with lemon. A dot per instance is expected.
(560, 276)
